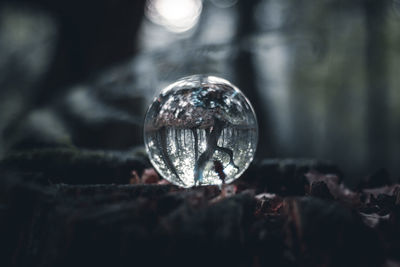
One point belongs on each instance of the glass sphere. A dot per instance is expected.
(200, 130)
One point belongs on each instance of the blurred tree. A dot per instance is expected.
(92, 35)
(377, 81)
(245, 73)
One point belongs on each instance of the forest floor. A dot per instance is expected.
(65, 207)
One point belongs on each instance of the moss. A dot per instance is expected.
(74, 166)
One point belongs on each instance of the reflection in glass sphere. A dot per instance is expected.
(200, 130)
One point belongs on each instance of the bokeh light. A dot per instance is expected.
(175, 15)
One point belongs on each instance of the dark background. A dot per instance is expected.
(323, 76)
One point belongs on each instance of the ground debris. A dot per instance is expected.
(280, 213)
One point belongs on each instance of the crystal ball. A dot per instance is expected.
(200, 130)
